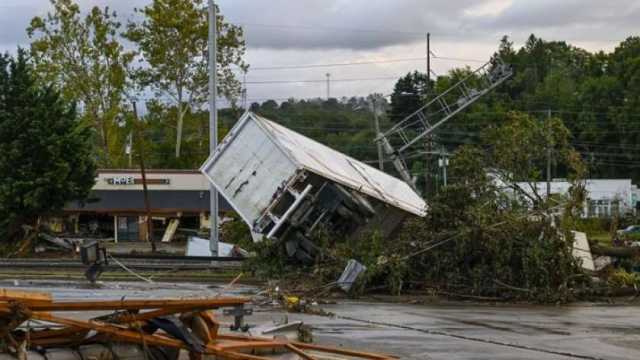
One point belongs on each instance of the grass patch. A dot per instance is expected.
(600, 237)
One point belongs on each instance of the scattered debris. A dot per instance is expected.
(170, 231)
(94, 256)
(350, 274)
(138, 329)
(294, 331)
(581, 251)
(60, 242)
(197, 246)
(285, 186)
(602, 262)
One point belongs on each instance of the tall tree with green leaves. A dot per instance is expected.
(83, 57)
(46, 153)
(408, 95)
(172, 42)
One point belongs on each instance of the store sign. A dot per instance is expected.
(121, 180)
(130, 180)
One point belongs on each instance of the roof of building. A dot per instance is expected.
(160, 201)
(596, 188)
(148, 171)
(341, 168)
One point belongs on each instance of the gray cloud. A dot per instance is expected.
(582, 20)
(339, 24)
(343, 24)
(14, 19)
(338, 31)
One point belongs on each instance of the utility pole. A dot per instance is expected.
(145, 191)
(213, 125)
(376, 123)
(429, 59)
(328, 85)
(548, 122)
(429, 139)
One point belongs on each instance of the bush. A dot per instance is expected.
(620, 278)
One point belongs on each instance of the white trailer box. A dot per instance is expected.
(285, 185)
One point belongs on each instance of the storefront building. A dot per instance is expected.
(178, 200)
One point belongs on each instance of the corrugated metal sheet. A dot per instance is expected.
(249, 168)
(343, 169)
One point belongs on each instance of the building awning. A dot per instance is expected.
(132, 201)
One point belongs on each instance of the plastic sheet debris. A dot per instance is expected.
(197, 246)
(582, 251)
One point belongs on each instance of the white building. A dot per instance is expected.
(604, 196)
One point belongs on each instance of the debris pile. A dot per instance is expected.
(139, 329)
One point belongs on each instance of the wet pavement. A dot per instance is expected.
(450, 331)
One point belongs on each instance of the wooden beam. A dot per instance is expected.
(201, 304)
(299, 352)
(24, 296)
(126, 335)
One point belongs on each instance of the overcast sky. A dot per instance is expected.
(296, 32)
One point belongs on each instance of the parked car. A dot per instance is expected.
(630, 236)
(631, 229)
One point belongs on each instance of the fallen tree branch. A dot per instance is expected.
(510, 287)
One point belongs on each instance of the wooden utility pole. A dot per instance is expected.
(429, 59)
(548, 128)
(328, 75)
(428, 140)
(149, 224)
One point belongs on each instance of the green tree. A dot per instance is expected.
(521, 147)
(46, 154)
(172, 40)
(83, 57)
(408, 95)
(480, 236)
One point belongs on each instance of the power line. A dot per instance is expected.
(318, 80)
(356, 63)
(457, 59)
(327, 28)
(311, 66)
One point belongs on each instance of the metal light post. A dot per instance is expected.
(213, 125)
(376, 124)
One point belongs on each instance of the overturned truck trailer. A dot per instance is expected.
(285, 186)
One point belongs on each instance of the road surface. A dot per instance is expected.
(450, 331)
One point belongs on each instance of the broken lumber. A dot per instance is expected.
(177, 324)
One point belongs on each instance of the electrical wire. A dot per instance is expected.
(319, 80)
(357, 63)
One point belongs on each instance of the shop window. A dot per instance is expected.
(127, 228)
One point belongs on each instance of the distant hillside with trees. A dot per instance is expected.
(596, 95)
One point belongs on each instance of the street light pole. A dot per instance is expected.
(213, 125)
(376, 123)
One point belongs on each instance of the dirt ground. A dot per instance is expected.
(442, 331)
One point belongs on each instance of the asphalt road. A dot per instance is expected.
(450, 331)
